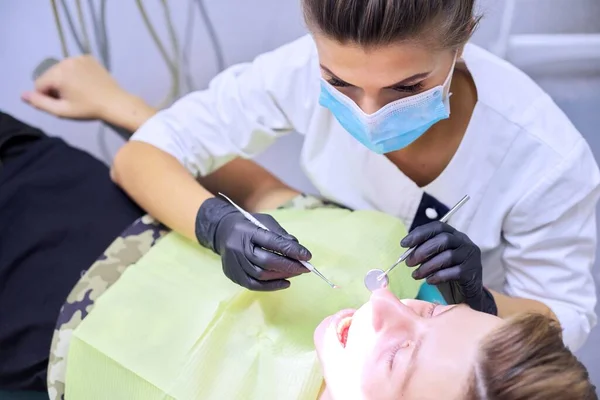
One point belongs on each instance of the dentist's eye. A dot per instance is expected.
(409, 89)
(337, 82)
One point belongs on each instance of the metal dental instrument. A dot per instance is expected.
(408, 252)
(256, 222)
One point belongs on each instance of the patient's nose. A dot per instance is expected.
(390, 313)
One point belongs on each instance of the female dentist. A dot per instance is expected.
(399, 114)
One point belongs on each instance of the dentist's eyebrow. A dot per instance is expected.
(403, 82)
(410, 80)
(328, 71)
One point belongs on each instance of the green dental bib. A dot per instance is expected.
(174, 327)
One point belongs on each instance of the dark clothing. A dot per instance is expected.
(59, 211)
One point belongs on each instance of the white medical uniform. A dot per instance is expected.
(532, 178)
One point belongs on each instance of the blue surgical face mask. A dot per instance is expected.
(394, 126)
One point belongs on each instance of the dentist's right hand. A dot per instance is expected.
(248, 252)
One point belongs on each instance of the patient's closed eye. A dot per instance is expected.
(432, 309)
(395, 350)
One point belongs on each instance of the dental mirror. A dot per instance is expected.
(374, 280)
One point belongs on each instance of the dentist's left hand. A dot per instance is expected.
(445, 254)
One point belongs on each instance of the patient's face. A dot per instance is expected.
(390, 348)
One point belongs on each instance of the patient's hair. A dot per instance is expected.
(372, 23)
(526, 359)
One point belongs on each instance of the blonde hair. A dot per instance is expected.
(526, 359)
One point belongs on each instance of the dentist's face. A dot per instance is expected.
(374, 77)
(409, 349)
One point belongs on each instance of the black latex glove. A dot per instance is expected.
(445, 254)
(244, 248)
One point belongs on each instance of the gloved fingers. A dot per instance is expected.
(432, 247)
(260, 274)
(274, 226)
(285, 246)
(273, 266)
(441, 261)
(236, 267)
(471, 282)
(266, 286)
(445, 275)
(422, 233)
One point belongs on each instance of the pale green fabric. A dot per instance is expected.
(174, 327)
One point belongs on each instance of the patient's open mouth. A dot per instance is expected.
(343, 321)
(342, 330)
